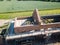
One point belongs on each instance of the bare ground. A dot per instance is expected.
(2, 22)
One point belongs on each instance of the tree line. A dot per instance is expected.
(42, 0)
(51, 0)
(36, 0)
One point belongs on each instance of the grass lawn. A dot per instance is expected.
(14, 5)
(28, 13)
(25, 8)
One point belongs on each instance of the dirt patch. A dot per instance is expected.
(2, 22)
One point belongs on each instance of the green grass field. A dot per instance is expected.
(28, 13)
(9, 6)
(11, 9)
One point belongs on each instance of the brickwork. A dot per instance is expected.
(37, 26)
(36, 17)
